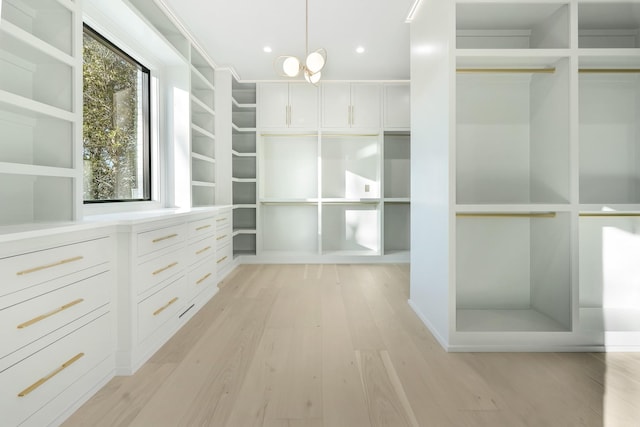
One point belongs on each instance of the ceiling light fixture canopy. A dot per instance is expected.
(311, 68)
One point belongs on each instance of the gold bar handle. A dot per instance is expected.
(173, 264)
(160, 239)
(49, 314)
(44, 379)
(164, 307)
(203, 250)
(44, 267)
(221, 259)
(221, 237)
(221, 219)
(203, 227)
(203, 278)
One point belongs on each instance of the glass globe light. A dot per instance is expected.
(312, 78)
(315, 61)
(291, 66)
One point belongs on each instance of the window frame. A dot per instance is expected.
(147, 172)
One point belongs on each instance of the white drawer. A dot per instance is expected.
(22, 271)
(224, 256)
(24, 323)
(160, 307)
(30, 384)
(223, 219)
(151, 273)
(200, 250)
(201, 228)
(223, 238)
(202, 277)
(160, 238)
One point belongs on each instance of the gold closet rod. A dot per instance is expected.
(507, 215)
(609, 70)
(612, 214)
(507, 70)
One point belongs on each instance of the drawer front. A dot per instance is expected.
(160, 307)
(223, 238)
(24, 323)
(30, 384)
(202, 228)
(202, 277)
(22, 271)
(154, 240)
(223, 219)
(151, 273)
(197, 251)
(224, 257)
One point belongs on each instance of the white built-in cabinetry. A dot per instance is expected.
(193, 93)
(168, 269)
(57, 320)
(40, 111)
(288, 105)
(351, 105)
(244, 167)
(537, 197)
(340, 190)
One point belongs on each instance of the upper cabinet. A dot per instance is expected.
(287, 105)
(397, 106)
(351, 105)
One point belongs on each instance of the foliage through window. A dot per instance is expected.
(116, 140)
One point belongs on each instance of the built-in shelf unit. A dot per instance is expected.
(40, 111)
(541, 182)
(244, 167)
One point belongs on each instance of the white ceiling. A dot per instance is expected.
(234, 33)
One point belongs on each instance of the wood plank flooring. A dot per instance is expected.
(338, 346)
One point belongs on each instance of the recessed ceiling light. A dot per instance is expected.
(267, 49)
(360, 49)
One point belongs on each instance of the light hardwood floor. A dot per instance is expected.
(337, 345)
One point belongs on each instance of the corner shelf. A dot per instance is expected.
(244, 168)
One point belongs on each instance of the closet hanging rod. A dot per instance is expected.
(611, 214)
(298, 135)
(609, 70)
(550, 70)
(507, 214)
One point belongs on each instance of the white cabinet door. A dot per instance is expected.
(365, 105)
(273, 105)
(397, 106)
(303, 105)
(346, 105)
(336, 105)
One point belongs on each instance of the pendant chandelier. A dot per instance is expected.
(311, 68)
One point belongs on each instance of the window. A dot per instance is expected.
(116, 124)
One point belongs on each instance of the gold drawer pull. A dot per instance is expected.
(49, 314)
(160, 239)
(173, 264)
(203, 278)
(221, 237)
(43, 380)
(221, 219)
(44, 267)
(203, 227)
(203, 250)
(221, 259)
(164, 307)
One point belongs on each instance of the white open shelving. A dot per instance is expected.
(40, 111)
(244, 170)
